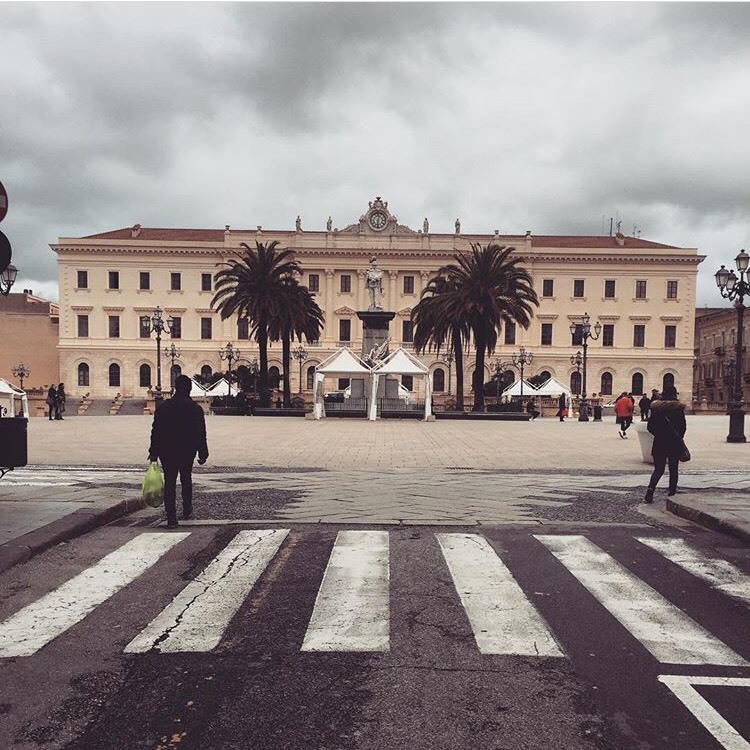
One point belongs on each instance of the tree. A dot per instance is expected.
(254, 286)
(490, 289)
(438, 322)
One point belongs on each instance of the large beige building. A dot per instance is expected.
(642, 292)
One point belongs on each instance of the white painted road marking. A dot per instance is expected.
(721, 574)
(352, 609)
(724, 733)
(198, 616)
(40, 622)
(667, 632)
(504, 621)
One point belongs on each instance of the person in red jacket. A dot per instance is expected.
(624, 413)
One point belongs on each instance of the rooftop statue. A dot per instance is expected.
(374, 284)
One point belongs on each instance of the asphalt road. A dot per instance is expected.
(434, 687)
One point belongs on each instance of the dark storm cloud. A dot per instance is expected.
(512, 116)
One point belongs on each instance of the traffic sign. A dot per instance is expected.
(3, 202)
(5, 252)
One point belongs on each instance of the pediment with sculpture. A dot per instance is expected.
(377, 220)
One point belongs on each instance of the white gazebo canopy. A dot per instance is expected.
(9, 393)
(515, 389)
(221, 388)
(342, 362)
(196, 389)
(552, 387)
(401, 362)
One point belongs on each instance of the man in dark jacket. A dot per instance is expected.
(645, 406)
(177, 435)
(667, 425)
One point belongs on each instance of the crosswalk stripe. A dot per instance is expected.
(721, 574)
(41, 621)
(669, 634)
(352, 609)
(197, 617)
(504, 621)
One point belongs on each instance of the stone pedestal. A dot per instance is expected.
(375, 324)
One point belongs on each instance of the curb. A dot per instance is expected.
(715, 523)
(75, 524)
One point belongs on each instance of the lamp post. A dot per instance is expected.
(586, 334)
(7, 279)
(252, 368)
(520, 360)
(172, 353)
(449, 359)
(157, 324)
(229, 354)
(499, 369)
(300, 353)
(734, 289)
(20, 371)
(577, 360)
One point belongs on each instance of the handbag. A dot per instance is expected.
(684, 451)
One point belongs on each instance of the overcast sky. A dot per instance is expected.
(511, 116)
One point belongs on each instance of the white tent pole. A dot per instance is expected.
(373, 415)
(427, 396)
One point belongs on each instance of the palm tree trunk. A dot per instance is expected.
(286, 357)
(458, 354)
(265, 391)
(479, 378)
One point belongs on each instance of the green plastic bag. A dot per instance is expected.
(153, 486)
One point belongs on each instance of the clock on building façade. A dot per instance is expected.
(377, 220)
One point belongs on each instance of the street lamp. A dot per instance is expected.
(449, 359)
(156, 323)
(520, 360)
(577, 360)
(229, 354)
(7, 279)
(499, 369)
(253, 369)
(172, 353)
(300, 353)
(20, 371)
(734, 289)
(586, 334)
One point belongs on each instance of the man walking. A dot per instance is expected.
(645, 406)
(177, 435)
(624, 413)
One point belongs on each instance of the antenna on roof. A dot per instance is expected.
(636, 231)
(610, 225)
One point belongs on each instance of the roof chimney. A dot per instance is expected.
(135, 231)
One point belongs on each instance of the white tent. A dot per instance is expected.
(401, 362)
(196, 389)
(342, 362)
(515, 389)
(553, 388)
(8, 395)
(221, 388)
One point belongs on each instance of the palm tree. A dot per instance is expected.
(491, 289)
(437, 322)
(298, 314)
(254, 287)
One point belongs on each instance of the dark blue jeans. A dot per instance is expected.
(173, 467)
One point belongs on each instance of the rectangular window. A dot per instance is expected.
(243, 328)
(206, 282)
(83, 280)
(114, 326)
(144, 280)
(175, 281)
(639, 336)
(408, 382)
(83, 326)
(407, 332)
(609, 289)
(578, 288)
(640, 289)
(578, 335)
(176, 331)
(114, 279)
(548, 288)
(313, 282)
(510, 333)
(408, 285)
(345, 329)
(344, 383)
(346, 283)
(144, 327)
(206, 328)
(546, 334)
(671, 290)
(608, 335)
(670, 337)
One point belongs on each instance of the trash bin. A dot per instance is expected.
(646, 440)
(13, 442)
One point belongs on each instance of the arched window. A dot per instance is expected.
(667, 381)
(83, 374)
(274, 377)
(606, 387)
(438, 380)
(310, 384)
(544, 376)
(174, 372)
(575, 383)
(144, 376)
(206, 373)
(636, 384)
(114, 375)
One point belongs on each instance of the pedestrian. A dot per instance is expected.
(624, 413)
(667, 425)
(562, 407)
(177, 435)
(60, 401)
(530, 409)
(645, 406)
(52, 402)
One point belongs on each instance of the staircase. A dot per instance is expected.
(98, 407)
(131, 406)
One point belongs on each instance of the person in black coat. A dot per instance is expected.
(177, 435)
(645, 406)
(667, 425)
(52, 402)
(562, 407)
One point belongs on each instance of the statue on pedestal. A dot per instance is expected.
(329, 224)
(374, 284)
(426, 226)
(298, 224)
